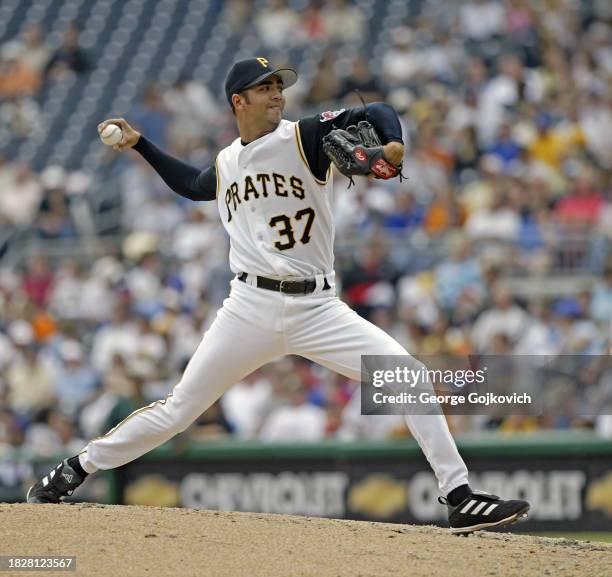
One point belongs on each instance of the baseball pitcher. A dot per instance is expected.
(273, 188)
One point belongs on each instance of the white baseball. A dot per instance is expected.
(111, 135)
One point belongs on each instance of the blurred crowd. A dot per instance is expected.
(498, 241)
(28, 63)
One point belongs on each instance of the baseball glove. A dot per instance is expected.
(358, 151)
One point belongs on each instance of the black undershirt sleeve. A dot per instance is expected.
(181, 177)
(314, 128)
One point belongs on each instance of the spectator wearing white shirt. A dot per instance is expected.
(402, 63)
(498, 222)
(511, 85)
(371, 427)
(30, 381)
(76, 381)
(343, 21)
(539, 334)
(20, 114)
(195, 236)
(144, 282)
(119, 336)
(277, 25)
(195, 113)
(504, 318)
(298, 421)
(65, 300)
(98, 297)
(21, 196)
(596, 122)
(36, 52)
(245, 402)
(481, 20)
(160, 216)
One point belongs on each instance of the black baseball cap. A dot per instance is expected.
(251, 71)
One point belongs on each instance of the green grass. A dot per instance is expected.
(605, 537)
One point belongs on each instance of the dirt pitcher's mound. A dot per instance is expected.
(157, 542)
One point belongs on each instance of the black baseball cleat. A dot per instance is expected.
(483, 511)
(53, 487)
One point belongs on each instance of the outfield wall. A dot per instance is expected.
(566, 477)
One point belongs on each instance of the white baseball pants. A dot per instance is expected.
(254, 327)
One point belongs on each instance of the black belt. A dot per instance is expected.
(290, 287)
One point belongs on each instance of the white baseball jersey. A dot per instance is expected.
(279, 219)
(277, 214)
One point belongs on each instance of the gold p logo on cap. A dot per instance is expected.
(263, 62)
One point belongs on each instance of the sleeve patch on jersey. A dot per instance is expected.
(330, 114)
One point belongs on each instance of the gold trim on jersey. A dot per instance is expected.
(217, 175)
(133, 414)
(136, 412)
(303, 156)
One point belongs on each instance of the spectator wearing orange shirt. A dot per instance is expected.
(444, 213)
(16, 79)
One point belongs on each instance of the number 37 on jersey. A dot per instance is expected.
(291, 228)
